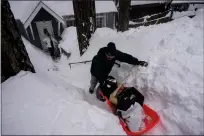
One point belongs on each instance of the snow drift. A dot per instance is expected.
(36, 106)
(43, 103)
(173, 81)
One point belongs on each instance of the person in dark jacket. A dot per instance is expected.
(103, 62)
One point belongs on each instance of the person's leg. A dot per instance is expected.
(50, 50)
(98, 95)
(53, 53)
(93, 84)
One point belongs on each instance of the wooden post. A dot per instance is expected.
(85, 19)
(168, 4)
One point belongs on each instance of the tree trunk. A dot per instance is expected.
(117, 14)
(14, 56)
(168, 4)
(85, 19)
(123, 23)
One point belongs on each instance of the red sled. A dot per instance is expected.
(150, 120)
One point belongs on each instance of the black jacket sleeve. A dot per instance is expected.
(124, 57)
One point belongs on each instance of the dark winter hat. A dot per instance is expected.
(111, 48)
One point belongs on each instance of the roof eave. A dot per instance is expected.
(37, 9)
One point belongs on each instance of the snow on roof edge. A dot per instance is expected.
(143, 2)
(55, 6)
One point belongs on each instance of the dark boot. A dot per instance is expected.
(91, 91)
(99, 96)
(101, 99)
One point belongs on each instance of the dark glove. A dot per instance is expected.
(142, 63)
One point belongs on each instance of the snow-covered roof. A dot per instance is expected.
(142, 2)
(188, 1)
(66, 7)
(23, 9)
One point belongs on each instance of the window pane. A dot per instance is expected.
(99, 22)
(70, 23)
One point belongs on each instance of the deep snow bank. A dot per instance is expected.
(55, 72)
(173, 82)
(44, 103)
(33, 105)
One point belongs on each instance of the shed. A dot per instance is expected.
(33, 16)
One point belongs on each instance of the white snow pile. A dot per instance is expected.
(34, 105)
(55, 100)
(196, 6)
(70, 43)
(191, 11)
(44, 104)
(173, 82)
(182, 14)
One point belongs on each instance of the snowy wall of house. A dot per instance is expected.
(36, 40)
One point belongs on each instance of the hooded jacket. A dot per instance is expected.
(101, 66)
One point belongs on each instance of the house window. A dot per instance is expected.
(99, 22)
(70, 22)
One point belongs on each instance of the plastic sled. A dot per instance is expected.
(150, 120)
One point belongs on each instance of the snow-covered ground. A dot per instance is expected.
(43, 103)
(55, 100)
(191, 11)
(182, 14)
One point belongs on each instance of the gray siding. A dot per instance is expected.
(35, 42)
(110, 20)
(109, 17)
(22, 29)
